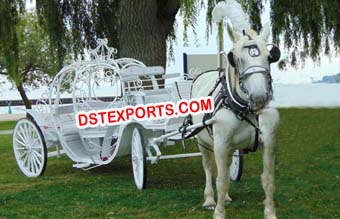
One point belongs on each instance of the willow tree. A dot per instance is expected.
(24, 49)
(140, 29)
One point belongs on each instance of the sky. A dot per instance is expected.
(310, 72)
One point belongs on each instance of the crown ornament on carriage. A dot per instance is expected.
(102, 51)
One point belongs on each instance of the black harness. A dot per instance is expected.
(224, 99)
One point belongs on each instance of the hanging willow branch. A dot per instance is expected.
(307, 28)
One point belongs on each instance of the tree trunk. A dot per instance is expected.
(144, 27)
(23, 95)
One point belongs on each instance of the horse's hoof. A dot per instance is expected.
(269, 214)
(209, 204)
(209, 207)
(227, 198)
(270, 217)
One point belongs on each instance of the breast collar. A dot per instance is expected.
(227, 97)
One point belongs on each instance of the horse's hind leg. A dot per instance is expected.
(208, 162)
(268, 124)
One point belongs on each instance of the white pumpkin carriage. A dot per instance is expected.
(84, 86)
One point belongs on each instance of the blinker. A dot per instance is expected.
(254, 51)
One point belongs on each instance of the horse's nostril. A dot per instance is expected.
(251, 98)
(258, 99)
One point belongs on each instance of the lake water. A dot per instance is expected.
(285, 95)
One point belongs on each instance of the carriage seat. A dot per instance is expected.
(147, 75)
(95, 105)
(135, 72)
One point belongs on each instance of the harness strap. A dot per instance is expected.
(205, 147)
(256, 143)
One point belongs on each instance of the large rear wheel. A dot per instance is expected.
(29, 148)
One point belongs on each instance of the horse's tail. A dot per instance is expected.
(232, 10)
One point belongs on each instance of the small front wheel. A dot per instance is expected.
(236, 166)
(138, 158)
(29, 148)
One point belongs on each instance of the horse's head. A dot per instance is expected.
(250, 59)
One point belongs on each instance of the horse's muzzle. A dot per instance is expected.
(258, 101)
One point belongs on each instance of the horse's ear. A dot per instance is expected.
(265, 32)
(231, 59)
(234, 36)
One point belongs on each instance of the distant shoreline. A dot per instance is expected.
(318, 95)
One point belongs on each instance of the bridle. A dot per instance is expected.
(256, 69)
(225, 93)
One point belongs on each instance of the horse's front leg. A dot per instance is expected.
(208, 162)
(268, 122)
(223, 159)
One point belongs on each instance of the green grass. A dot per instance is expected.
(307, 181)
(7, 125)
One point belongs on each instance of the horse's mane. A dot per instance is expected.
(232, 10)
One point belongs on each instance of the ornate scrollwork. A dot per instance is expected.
(42, 104)
(138, 85)
(102, 51)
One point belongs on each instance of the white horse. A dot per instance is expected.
(244, 88)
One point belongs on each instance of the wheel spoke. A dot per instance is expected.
(34, 161)
(20, 148)
(31, 134)
(32, 164)
(37, 159)
(26, 130)
(38, 154)
(23, 131)
(20, 142)
(22, 155)
(21, 134)
(24, 162)
(33, 142)
(29, 163)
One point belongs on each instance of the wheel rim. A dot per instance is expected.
(235, 166)
(29, 148)
(137, 156)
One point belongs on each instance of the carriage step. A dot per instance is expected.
(81, 165)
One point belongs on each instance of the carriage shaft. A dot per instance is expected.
(191, 127)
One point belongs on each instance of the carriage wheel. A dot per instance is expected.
(236, 166)
(29, 148)
(138, 158)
